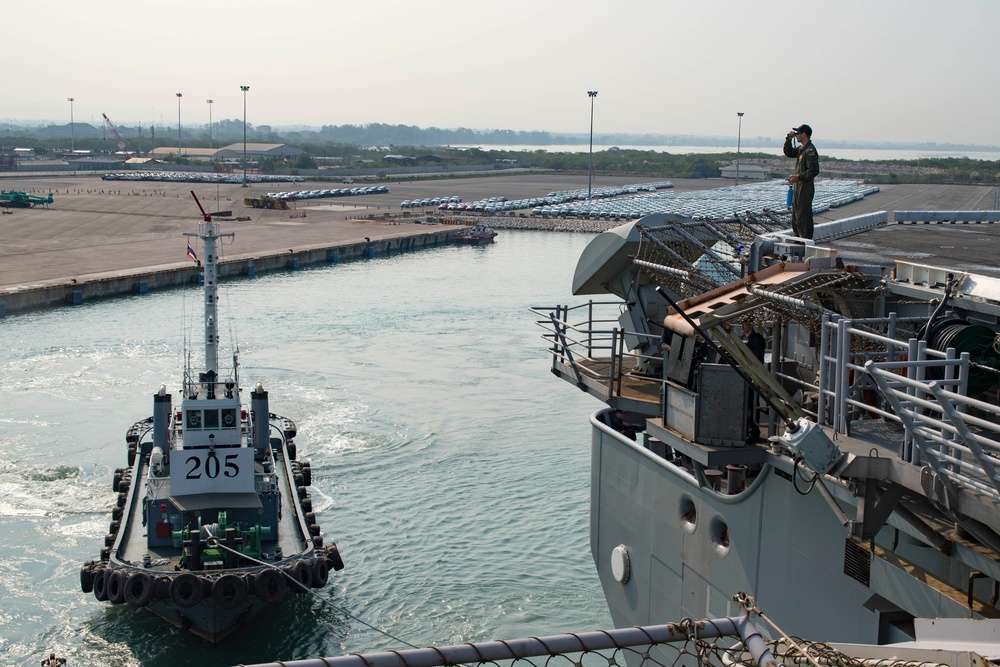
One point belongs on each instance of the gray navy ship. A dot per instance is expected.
(845, 474)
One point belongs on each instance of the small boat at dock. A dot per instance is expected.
(477, 235)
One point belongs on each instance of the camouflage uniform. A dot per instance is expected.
(806, 168)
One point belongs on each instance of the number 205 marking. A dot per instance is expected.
(212, 467)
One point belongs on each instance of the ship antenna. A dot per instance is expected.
(208, 232)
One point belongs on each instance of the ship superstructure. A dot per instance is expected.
(870, 499)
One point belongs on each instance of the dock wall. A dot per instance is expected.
(143, 281)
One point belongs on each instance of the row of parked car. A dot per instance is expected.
(714, 203)
(501, 204)
(322, 194)
(429, 201)
(197, 177)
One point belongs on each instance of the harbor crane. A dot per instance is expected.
(115, 134)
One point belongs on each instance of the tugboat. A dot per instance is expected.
(477, 235)
(213, 523)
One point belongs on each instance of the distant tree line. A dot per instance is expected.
(368, 144)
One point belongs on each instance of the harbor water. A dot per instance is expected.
(448, 464)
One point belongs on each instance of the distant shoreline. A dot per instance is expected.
(829, 152)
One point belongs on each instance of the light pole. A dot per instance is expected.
(178, 126)
(72, 132)
(590, 175)
(739, 134)
(245, 89)
(211, 143)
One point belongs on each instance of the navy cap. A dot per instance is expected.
(803, 128)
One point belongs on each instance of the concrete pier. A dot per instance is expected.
(79, 291)
(103, 238)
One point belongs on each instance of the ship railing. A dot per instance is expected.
(593, 346)
(944, 428)
(716, 642)
(847, 344)
(865, 374)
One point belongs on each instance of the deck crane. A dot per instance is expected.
(114, 133)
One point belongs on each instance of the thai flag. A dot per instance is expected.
(194, 257)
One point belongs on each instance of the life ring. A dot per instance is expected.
(320, 573)
(139, 589)
(116, 587)
(229, 591)
(87, 576)
(269, 585)
(186, 590)
(101, 584)
(302, 573)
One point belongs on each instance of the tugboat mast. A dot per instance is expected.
(208, 232)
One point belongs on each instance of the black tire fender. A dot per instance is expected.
(320, 573)
(87, 576)
(161, 588)
(101, 584)
(229, 591)
(186, 590)
(302, 573)
(116, 587)
(269, 585)
(139, 589)
(333, 555)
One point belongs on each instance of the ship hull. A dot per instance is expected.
(690, 550)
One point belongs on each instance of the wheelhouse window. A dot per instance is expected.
(193, 420)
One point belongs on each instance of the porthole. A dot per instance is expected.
(719, 534)
(688, 514)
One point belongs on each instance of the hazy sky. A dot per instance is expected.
(868, 70)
